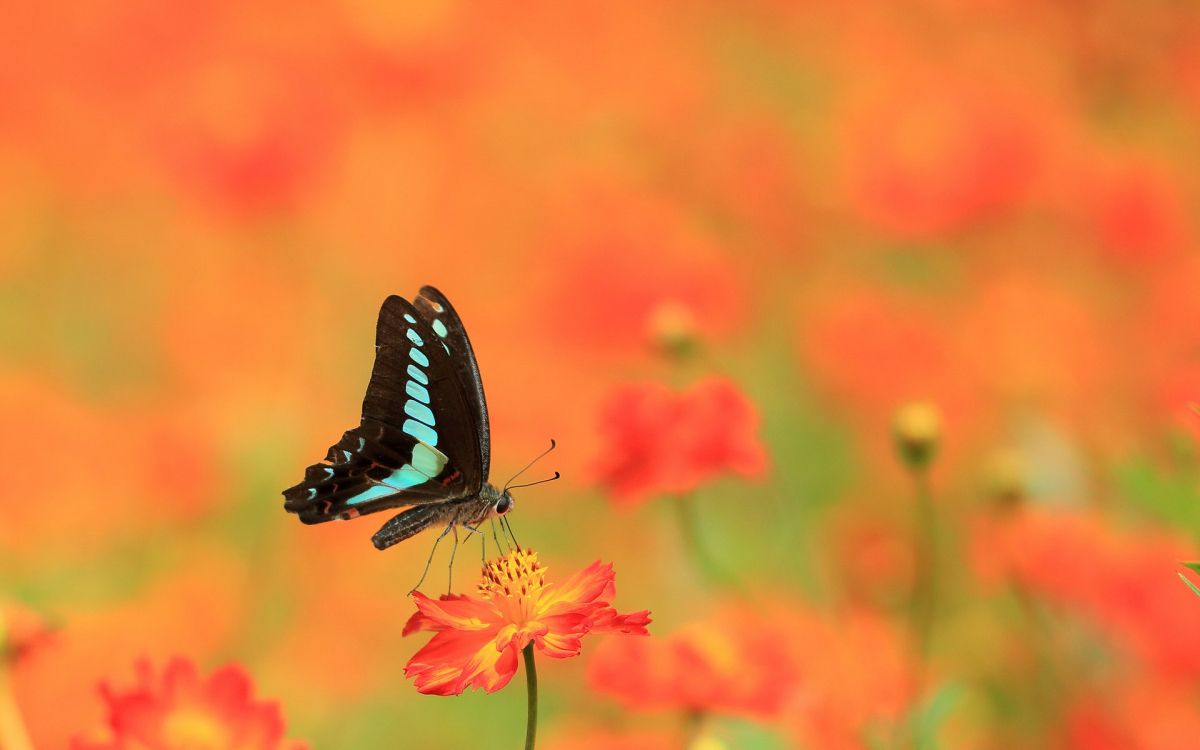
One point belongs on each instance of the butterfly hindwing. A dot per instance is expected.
(373, 467)
(420, 438)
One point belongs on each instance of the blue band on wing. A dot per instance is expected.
(417, 391)
(417, 410)
(420, 431)
(371, 493)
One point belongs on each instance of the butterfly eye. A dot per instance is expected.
(503, 505)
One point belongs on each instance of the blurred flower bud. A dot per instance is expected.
(1006, 478)
(672, 328)
(706, 741)
(916, 428)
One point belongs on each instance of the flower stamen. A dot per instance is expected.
(519, 571)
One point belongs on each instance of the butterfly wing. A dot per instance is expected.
(418, 440)
(439, 315)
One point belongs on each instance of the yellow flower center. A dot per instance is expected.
(516, 575)
(193, 728)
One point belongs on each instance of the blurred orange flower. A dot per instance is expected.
(825, 678)
(934, 156)
(478, 637)
(181, 710)
(735, 663)
(1121, 581)
(660, 442)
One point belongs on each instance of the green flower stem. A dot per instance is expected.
(924, 594)
(689, 527)
(531, 685)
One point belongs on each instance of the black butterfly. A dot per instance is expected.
(424, 439)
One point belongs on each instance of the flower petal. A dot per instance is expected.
(455, 660)
(457, 612)
(609, 620)
(584, 587)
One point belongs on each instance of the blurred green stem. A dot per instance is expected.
(689, 527)
(531, 686)
(924, 594)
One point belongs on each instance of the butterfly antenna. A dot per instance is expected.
(531, 463)
(540, 481)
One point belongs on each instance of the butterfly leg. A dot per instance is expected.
(495, 538)
(430, 560)
(450, 582)
(482, 541)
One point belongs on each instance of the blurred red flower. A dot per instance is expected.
(933, 156)
(1137, 213)
(179, 709)
(1136, 714)
(1123, 582)
(827, 679)
(660, 442)
(735, 663)
(478, 637)
(635, 252)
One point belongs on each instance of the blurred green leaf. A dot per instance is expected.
(1172, 497)
(1195, 568)
(928, 718)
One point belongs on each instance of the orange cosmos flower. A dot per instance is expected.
(181, 710)
(825, 677)
(657, 441)
(479, 637)
(736, 662)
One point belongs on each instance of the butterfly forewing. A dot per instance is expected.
(439, 315)
(420, 437)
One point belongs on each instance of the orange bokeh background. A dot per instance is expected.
(839, 208)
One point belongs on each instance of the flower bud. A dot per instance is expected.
(1006, 477)
(916, 428)
(672, 328)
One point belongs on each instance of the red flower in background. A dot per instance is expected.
(934, 156)
(1123, 582)
(736, 663)
(660, 442)
(179, 709)
(479, 637)
(1136, 714)
(634, 252)
(828, 679)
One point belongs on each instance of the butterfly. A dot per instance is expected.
(423, 443)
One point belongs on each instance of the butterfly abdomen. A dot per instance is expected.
(409, 523)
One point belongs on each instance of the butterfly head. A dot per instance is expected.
(504, 504)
